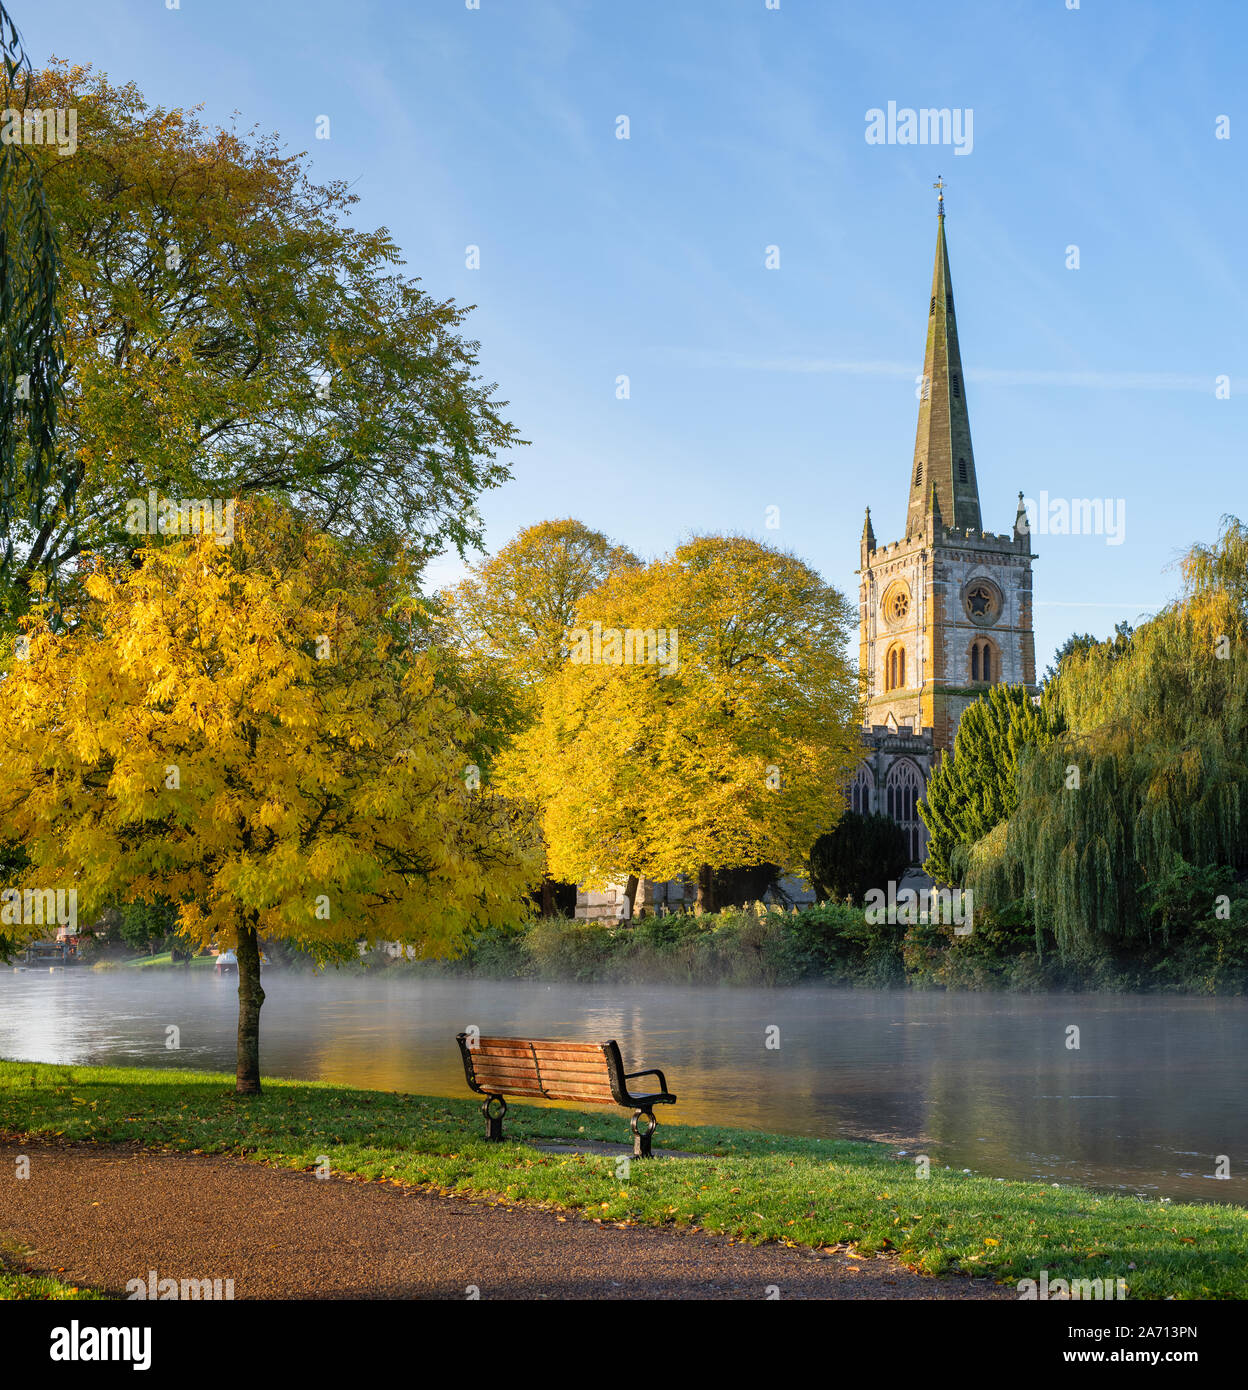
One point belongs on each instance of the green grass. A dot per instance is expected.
(749, 1185)
(35, 1287)
(166, 959)
(15, 1283)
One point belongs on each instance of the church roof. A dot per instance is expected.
(942, 479)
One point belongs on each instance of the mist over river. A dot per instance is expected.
(1154, 1092)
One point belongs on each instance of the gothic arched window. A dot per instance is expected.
(903, 790)
(982, 663)
(860, 792)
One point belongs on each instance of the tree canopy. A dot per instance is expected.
(247, 731)
(973, 787)
(519, 605)
(228, 332)
(1151, 774)
(863, 852)
(1084, 641)
(706, 717)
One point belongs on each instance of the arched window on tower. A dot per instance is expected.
(982, 663)
(903, 789)
(895, 668)
(918, 474)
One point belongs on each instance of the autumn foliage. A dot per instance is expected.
(731, 747)
(248, 731)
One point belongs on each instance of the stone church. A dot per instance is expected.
(946, 611)
(943, 613)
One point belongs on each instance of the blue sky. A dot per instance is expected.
(793, 387)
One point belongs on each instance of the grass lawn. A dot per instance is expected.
(166, 959)
(14, 1284)
(749, 1185)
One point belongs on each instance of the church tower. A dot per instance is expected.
(946, 611)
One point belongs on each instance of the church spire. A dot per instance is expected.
(944, 466)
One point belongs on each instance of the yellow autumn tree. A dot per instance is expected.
(706, 718)
(507, 623)
(516, 608)
(248, 731)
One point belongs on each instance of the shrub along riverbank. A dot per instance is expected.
(837, 945)
(749, 1185)
(1199, 945)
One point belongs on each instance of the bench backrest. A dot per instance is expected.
(591, 1073)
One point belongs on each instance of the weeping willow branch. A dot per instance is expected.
(32, 351)
(1151, 773)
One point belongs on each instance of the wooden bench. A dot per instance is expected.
(591, 1073)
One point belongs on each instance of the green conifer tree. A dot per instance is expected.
(973, 789)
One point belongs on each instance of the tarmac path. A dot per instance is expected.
(100, 1216)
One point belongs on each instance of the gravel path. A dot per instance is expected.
(100, 1216)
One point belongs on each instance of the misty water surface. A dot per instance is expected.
(1154, 1092)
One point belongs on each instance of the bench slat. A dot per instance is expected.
(510, 1080)
(495, 1059)
(489, 1047)
(524, 1065)
(588, 1097)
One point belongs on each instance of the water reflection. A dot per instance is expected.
(1151, 1096)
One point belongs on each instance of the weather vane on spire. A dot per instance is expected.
(939, 186)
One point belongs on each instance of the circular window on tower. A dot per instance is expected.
(982, 600)
(896, 604)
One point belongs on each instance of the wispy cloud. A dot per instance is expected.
(1093, 603)
(997, 376)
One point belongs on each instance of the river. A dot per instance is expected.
(1151, 1096)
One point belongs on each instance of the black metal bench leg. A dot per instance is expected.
(641, 1139)
(493, 1123)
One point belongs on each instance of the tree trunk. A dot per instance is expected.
(630, 895)
(250, 997)
(706, 890)
(548, 898)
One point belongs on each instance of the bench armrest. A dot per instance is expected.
(633, 1075)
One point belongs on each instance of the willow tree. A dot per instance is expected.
(246, 731)
(1152, 773)
(705, 718)
(32, 486)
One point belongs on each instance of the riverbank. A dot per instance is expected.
(743, 1185)
(827, 944)
(834, 944)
